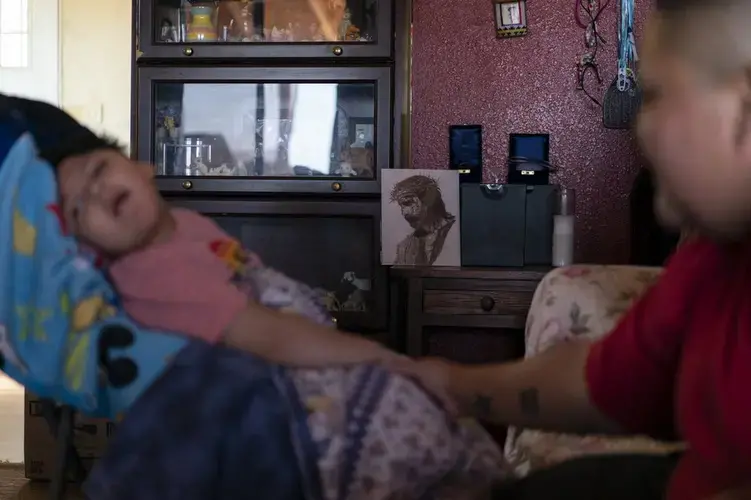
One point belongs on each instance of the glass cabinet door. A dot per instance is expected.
(332, 246)
(264, 28)
(276, 129)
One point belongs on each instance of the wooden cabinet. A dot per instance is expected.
(471, 315)
(265, 29)
(275, 118)
(314, 130)
(329, 245)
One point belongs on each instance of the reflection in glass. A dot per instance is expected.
(249, 21)
(265, 129)
(342, 246)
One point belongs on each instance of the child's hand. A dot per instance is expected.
(432, 374)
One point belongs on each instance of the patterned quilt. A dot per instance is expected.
(340, 433)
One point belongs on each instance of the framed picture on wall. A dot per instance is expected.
(510, 18)
(361, 131)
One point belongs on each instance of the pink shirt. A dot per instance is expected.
(182, 285)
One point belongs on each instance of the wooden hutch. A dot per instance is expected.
(251, 117)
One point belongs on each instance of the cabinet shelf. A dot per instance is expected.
(276, 121)
(256, 29)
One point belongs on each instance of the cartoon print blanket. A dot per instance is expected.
(61, 334)
(340, 433)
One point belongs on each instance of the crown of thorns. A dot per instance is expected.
(415, 185)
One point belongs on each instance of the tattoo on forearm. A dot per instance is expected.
(529, 402)
(481, 406)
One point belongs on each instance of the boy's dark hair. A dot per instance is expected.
(56, 134)
(78, 145)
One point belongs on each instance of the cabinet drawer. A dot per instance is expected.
(502, 302)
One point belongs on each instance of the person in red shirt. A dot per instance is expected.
(679, 363)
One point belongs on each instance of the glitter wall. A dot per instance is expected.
(463, 75)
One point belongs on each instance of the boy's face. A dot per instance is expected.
(109, 201)
(696, 131)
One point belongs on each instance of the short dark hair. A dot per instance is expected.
(75, 146)
(57, 134)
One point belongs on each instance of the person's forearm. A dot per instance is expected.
(546, 392)
(296, 341)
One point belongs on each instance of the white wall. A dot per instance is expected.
(40, 80)
(95, 49)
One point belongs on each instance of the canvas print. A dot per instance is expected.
(420, 217)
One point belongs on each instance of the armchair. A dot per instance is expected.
(578, 302)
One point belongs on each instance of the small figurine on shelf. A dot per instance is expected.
(346, 170)
(221, 170)
(356, 161)
(277, 35)
(328, 299)
(293, 32)
(167, 32)
(166, 135)
(241, 24)
(345, 24)
(227, 170)
(357, 300)
(198, 167)
(353, 34)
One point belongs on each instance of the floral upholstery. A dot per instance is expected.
(578, 302)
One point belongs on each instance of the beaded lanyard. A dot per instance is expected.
(627, 55)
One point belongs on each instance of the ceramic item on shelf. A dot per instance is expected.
(201, 27)
(245, 22)
(235, 17)
(345, 24)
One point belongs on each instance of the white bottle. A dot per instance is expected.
(563, 228)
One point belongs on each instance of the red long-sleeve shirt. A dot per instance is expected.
(680, 363)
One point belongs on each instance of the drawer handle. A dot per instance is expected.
(487, 303)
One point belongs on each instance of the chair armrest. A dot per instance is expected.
(584, 301)
(578, 302)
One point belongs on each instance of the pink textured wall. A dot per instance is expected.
(463, 75)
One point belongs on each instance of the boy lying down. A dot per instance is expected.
(366, 433)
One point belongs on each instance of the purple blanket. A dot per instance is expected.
(379, 436)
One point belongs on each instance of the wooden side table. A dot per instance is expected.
(472, 315)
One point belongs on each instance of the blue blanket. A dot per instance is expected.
(205, 421)
(188, 406)
(62, 335)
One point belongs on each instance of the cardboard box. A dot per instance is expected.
(90, 437)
